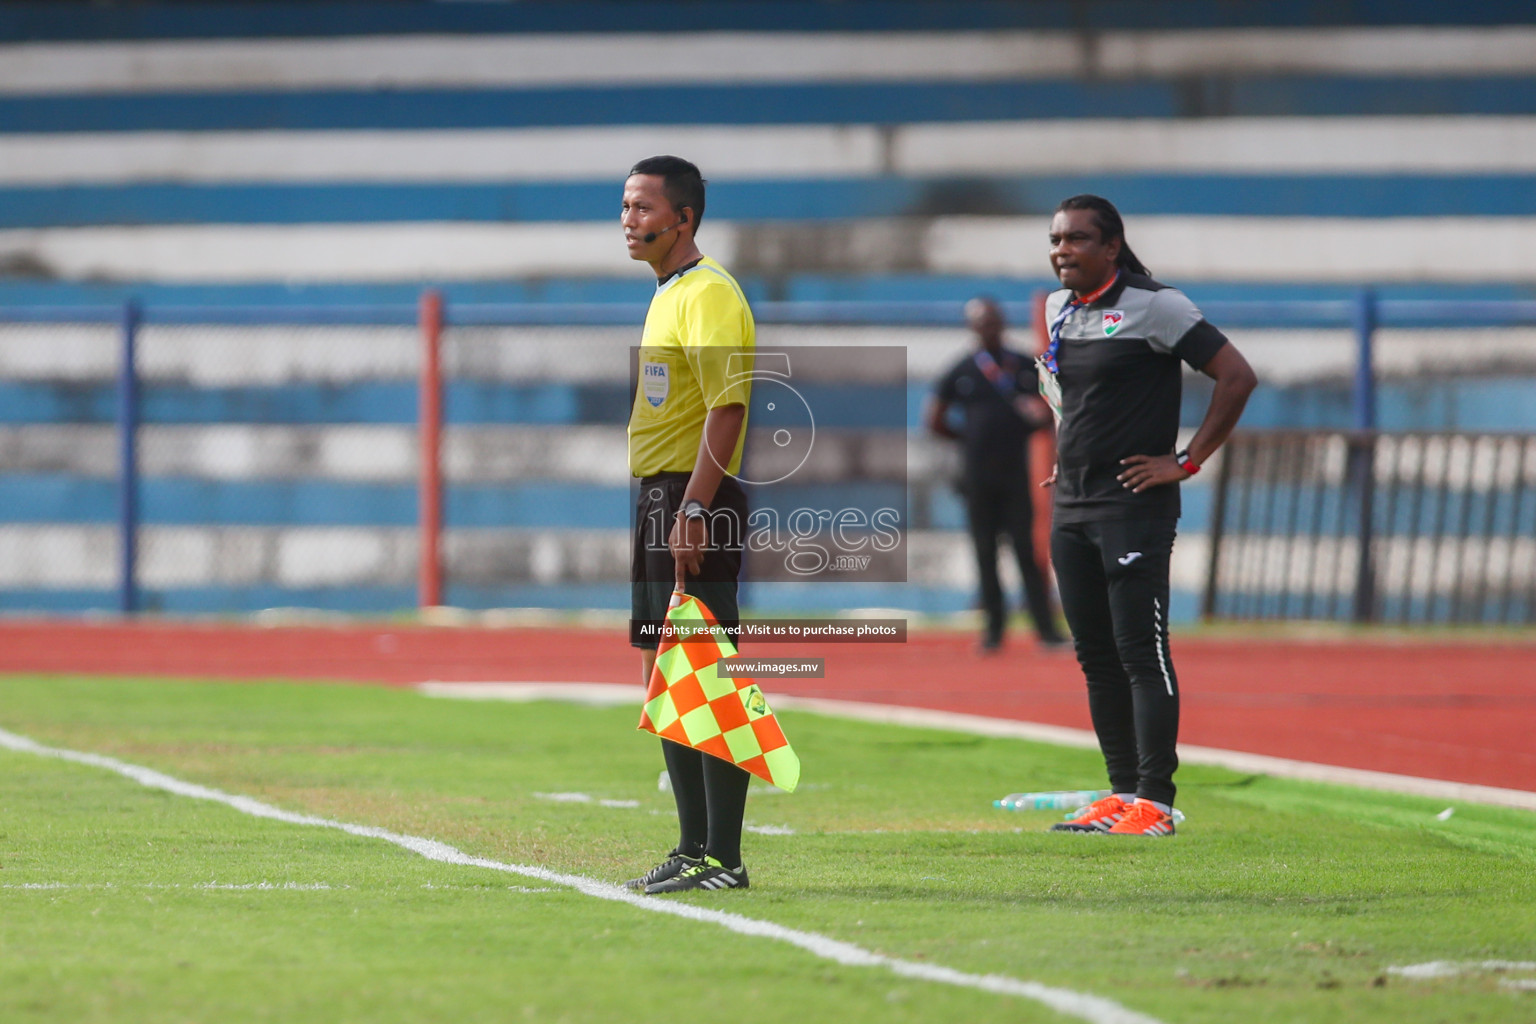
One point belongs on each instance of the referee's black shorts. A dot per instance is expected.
(652, 570)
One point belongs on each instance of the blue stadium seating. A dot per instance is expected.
(72, 194)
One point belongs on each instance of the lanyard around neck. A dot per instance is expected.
(1071, 306)
(1002, 380)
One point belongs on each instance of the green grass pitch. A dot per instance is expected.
(1278, 901)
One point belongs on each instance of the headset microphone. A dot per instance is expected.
(651, 236)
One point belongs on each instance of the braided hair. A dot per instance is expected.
(1110, 226)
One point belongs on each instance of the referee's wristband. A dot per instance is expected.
(693, 508)
(1186, 463)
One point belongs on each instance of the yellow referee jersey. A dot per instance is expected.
(695, 355)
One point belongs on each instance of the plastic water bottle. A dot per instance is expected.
(1060, 799)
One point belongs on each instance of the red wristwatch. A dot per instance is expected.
(1186, 463)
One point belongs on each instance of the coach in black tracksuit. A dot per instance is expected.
(1112, 370)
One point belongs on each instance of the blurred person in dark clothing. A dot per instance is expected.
(995, 390)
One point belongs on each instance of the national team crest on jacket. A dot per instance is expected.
(1112, 320)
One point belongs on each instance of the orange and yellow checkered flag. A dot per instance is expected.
(688, 702)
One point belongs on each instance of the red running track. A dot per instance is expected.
(1465, 712)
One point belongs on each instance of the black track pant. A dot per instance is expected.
(1113, 580)
(1004, 506)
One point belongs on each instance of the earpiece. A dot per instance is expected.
(651, 236)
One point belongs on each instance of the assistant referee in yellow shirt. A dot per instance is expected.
(686, 432)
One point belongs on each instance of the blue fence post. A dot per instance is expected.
(1362, 451)
(128, 465)
(1365, 371)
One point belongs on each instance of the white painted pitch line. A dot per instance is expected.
(1235, 760)
(587, 798)
(246, 886)
(1451, 968)
(1081, 1005)
(268, 886)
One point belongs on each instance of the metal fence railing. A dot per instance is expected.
(1411, 528)
(217, 459)
(220, 459)
(195, 459)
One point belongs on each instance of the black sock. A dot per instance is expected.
(725, 793)
(685, 767)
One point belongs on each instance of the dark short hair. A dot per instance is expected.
(681, 182)
(1107, 218)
